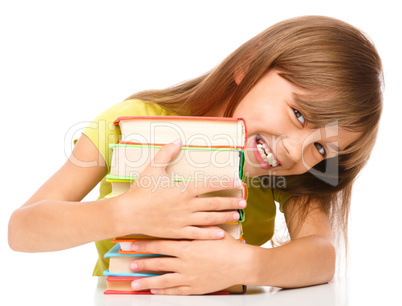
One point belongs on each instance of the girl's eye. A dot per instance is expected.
(299, 116)
(320, 149)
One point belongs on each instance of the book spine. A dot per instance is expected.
(130, 160)
(125, 284)
(129, 126)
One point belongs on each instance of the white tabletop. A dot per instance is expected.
(89, 291)
(64, 278)
(339, 292)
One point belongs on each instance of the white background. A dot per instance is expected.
(63, 62)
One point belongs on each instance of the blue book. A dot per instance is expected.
(119, 264)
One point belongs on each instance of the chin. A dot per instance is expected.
(255, 172)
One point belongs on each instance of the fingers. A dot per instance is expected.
(218, 204)
(166, 154)
(214, 218)
(157, 264)
(204, 233)
(206, 187)
(165, 284)
(165, 247)
(169, 283)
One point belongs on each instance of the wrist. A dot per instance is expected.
(121, 215)
(252, 260)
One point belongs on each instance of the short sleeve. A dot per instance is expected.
(102, 131)
(280, 197)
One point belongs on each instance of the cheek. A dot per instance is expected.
(295, 170)
(304, 165)
(307, 162)
(265, 121)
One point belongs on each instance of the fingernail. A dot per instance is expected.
(220, 234)
(135, 286)
(133, 266)
(242, 204)
(177, 141)
(236, 216)
(154, 291)
(134, 246)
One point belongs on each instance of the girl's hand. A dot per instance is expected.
(158, 206)
(198, 266)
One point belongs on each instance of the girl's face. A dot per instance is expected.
(280, 141)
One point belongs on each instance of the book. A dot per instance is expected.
(192, 130)
(211, 148)
(125, 243)
(192, 163)
(234, 228)
(119, 264)
(121, 185)
(122, 285)
(120, 276)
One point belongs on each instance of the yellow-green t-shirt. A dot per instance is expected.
(258, 226)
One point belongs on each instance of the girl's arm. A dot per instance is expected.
(55, 219)
(308, 259)
(207, 266)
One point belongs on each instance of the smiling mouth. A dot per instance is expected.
(267, 156)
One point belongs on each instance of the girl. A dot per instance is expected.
(308, 88)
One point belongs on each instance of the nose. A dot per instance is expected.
(293, 147)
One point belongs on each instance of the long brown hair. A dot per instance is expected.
(339, 67)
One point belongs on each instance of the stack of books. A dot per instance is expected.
(212, 148)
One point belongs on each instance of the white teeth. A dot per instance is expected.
(267, 156)
(271, 159)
